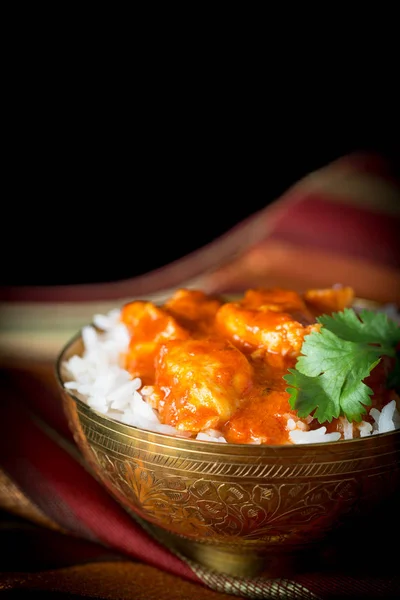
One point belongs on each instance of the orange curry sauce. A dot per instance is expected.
(211, 364)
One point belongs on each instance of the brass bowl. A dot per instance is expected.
(236, 508)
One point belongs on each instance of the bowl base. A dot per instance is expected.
(246, 562)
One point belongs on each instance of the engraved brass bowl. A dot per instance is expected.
(240, 509)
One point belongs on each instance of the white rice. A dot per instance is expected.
(98, 378)
(317, 435)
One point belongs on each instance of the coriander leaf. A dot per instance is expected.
(370, 327)
(307, 394)
(328, 377)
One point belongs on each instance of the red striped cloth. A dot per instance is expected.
(339, 224)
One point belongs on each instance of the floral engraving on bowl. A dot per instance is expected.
(211, 508)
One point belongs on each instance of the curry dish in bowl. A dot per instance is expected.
(239, 430)
(271, 367)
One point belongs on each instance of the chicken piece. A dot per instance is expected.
(278, 300)
(203, 382)
(329, 300)
(194, 310)
(258, 329)
(148, 326)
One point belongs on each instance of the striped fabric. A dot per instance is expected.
(63, 531)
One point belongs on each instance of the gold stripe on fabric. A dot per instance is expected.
(257, 588)
(348, 186)
(14, 501)
(112, 581)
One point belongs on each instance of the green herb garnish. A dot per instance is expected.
(327, 380)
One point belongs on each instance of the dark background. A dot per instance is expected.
(96, 212)
(115, 165)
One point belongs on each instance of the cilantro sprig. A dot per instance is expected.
(327, 380)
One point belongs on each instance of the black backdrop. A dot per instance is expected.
(94, 213)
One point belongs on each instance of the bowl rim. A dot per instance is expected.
(361, 302)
